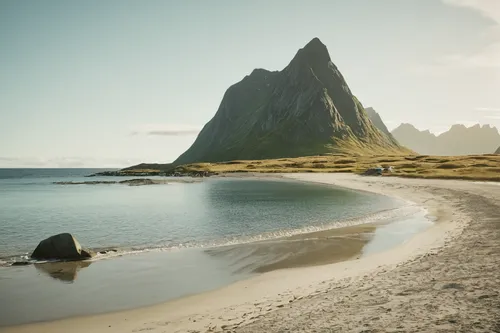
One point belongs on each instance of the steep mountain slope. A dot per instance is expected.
(305, 109)
(458, 140)
(497, 151)
(378, 122)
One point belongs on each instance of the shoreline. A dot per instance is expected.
(257, 300)
(450, 285)
(110, 252)
(311, 245)
(360, 225)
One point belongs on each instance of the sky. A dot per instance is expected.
(118, 82)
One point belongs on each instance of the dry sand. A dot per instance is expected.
(445, 279)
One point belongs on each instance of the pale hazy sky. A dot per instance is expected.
(118, 82)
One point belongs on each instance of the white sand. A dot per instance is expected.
(445, 279)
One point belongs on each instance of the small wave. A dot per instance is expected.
(385, 215)
(378, 217)
(113, 252)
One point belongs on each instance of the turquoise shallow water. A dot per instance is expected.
(215, 211)
(162, 233)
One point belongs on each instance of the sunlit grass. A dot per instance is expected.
(472, 167)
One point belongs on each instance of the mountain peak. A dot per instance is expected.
(313, 55)
(305, 109)
(407, 126)
(315, 44)
(459, 127)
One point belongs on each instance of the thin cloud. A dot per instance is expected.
(488, 8)
(488, 57)
(492, 117)
(66, 162)
(174, 132)
(166, 130)
(488, 109)
(7, 159)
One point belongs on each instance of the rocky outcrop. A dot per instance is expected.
(60, 247)
(458, 140)
(129, 182)
(497, 151)
(305, 109)
(97, 182)
(131, 172)
(187, 177)
(138, 182)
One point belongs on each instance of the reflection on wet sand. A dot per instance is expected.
(315, 248)
(63, 271)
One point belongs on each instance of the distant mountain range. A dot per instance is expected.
(458, 140)
(305, 109)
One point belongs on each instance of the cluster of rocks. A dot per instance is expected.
(130, 182)
(193, 174)
(173, 173)
(121, 173)
(378, 171)
(102, 182)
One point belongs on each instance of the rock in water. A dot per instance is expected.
(305, 109)
(63, 247)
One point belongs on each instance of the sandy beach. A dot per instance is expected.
(445, 279)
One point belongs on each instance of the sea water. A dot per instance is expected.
(177, 215)
(159, 232)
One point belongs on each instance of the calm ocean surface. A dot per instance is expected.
(163, 234)
(213, 212)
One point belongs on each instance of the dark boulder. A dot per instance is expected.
(63, 247)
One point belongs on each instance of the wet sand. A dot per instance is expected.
(444, 279)
(303, 250)
(148, 278)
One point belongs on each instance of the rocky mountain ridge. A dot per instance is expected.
(458, 140)
(305, 109)
(378, 122)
